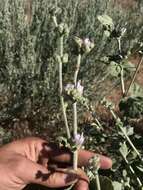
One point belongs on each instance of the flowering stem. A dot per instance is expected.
(59, 58)
(77, 69)
(134, 76)
(75, 125)
(61, 46)
(61, 88)
(75, 160)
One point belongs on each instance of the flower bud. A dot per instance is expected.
(84, 45)
(63, 29)
(68, 88)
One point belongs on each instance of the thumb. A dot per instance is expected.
(66, 177)
(36, 173)
(83, 181)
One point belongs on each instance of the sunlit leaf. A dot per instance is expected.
(105, 20)
(124, 150)
(117, 185)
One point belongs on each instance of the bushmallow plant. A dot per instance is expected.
(74, 90)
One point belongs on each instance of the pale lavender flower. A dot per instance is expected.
(87, 42)
(78, 140)
(87, 45)
(69, 87)
(80, 88)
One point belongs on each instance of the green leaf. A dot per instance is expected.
(140, 168)
(106, 20)
(113, 69)
(130, 131)
(107, 33)
(136, 90)
(124, 150)
(132, 107)
(117, 185)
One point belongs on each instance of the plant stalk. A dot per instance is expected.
(62, 99)
(98, 187)
(59, 58)
(122, 81)
(75, 123)
(122, 69)
(55, 21)
(119, 44)
(134, 76)
(61, 88)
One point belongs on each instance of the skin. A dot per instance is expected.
(33, 160)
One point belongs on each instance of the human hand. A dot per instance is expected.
(33, 160)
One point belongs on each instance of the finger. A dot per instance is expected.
(85, 156)
(38, 174)
(82, 184)
(44, 150)
(65, 156)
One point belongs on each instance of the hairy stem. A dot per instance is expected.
(119, 44)
(77, 69)
(122, 69)
(75, 124)
(61, 89)
(134, 76)
(97, 181)
(55, 21)
(59, 58)
(122, 81)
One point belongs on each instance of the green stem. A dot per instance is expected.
(62, 99)
(55, 21)
(75, 160)
(61, 46)
(122, 69)
(77, 69)
(75, 118)
(75, 123)
(119, 44)
(122, 81)
(97, 181)
(134, 76)
(61, 88)
(59, 58)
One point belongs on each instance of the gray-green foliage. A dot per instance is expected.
(28, 70)
(132, 107)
